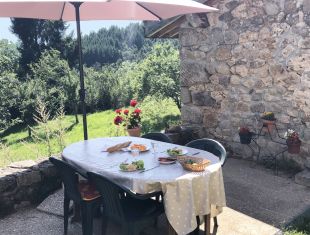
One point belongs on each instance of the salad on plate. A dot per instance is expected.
(133, 166)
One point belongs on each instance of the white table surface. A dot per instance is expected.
(186, 194)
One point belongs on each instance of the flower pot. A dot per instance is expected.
(268, 125)
(245, 138)
(135, 132)
(293, 147)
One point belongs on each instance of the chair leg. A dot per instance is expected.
(215, 222)
(87, 218)
(66, 213)
(207, 221)
(196, 231)
(104, 225)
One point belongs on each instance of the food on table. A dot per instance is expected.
(175, 152)
(135, 165)
(140, 147)
(118, 147)
(190, 161)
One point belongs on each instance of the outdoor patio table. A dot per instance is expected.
(186, 194)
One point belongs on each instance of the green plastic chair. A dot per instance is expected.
(157, 136)
(133, 211)
(211, 146)
(89, 199)
(214, 147)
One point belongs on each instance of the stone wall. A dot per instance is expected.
(251, 56)
(24, 183)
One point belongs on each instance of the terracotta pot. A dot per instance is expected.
(268, 125)
(135, 132)
(245, 138)
(293, 148)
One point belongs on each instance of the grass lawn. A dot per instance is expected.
(18, 146)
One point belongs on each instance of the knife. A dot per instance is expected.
(149, 169)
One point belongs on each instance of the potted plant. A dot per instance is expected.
(245, 135)
(293, 142)
(268, 121)
(130, 118)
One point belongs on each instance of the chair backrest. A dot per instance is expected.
(157, 136)
(111, 194)
(211, 146)
(69, 177)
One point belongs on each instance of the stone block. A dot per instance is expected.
(210, 120)
(242, 70)
(202, 99)
(191, 114)
(7, 183)
(230, 37)
(303, 178)
(185, 95)
(235, 80)
(257, 108)
(304, 43)
(193, 73)
(27, 178)
(224, 81)
(23, 164)
(48, 169)
(222, 68)
(6, 206)
(256, 97)
(243, 107)
(222, 54)
(271, 8)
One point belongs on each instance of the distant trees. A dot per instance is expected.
(124, 65)
(37, 36)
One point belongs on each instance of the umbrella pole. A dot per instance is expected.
(82, 87)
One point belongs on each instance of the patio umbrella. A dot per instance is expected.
(98, 10)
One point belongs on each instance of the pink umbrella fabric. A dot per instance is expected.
(98, 10)
(101, 9)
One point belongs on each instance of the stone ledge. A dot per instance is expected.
(26, 182)
(303, 178)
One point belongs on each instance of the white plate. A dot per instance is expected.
(166, 162)
(184, 151)
(147, 148)
(132, 170)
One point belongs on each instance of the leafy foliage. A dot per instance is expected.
(36, 36)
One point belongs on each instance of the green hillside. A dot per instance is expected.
(17, 146)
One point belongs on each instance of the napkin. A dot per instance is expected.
(118, 147)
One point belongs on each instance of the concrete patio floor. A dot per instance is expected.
(259, 203)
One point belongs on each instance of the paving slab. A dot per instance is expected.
(261, 194)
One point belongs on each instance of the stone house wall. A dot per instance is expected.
(251, 56)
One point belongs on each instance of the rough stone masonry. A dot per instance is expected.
(251, 56)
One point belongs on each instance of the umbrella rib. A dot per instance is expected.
(149, 10)
(62, 10)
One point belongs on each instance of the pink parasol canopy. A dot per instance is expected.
(98, 10)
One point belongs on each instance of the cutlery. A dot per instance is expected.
(149, 169)
(195, 153)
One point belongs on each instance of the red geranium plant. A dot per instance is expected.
(129, 118)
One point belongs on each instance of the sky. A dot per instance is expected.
(86, 26)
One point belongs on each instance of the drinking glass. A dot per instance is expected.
(135, 152)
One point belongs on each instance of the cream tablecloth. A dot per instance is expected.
(186, 194)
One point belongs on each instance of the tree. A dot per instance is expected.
(160, 73)
(37, 36)
(9, 84)
(52, 82)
